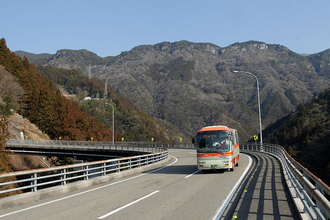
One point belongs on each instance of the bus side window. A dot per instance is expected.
(233, 137)
(235, 140)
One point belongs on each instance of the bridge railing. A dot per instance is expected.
(310, 194)
(33, 180)
(127, 146)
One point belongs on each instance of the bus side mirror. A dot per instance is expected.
(193, 140)
(231, 137)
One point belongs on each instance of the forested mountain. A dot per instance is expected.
(191, 85)
(130, 121)
(43, 104)
(321, 63)
(34, 58)
(305, 134)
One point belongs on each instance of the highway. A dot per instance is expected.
(176, 191)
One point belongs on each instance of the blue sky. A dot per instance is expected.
(108, 27)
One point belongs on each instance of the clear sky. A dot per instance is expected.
(108, 27)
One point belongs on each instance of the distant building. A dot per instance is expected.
(87, 98)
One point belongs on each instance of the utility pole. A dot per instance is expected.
(106, 89)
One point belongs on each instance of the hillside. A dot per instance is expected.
(321, 63)
(44, 106)
(34, 58)
(191, 85)
(305, 133)
(16, 125)
(130, 121)
(38, 100)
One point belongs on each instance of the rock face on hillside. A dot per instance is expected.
(192, 85)
(17, 126)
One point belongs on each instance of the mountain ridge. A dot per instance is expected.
(192, 84)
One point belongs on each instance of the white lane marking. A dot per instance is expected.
(129, 204)
(91, 190)
(230, 195)
(192, 174)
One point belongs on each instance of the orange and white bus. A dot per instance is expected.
(217, 148)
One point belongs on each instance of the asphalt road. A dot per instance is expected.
(177, 191)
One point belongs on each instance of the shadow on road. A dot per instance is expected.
(185, 170)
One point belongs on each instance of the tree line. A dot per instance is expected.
(44, 105)
(305, 134)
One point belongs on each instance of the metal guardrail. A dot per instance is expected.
(310, 194)
(33, 180)
(126, 146)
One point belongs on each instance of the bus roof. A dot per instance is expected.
(215, 128)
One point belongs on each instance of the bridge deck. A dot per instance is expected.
(263, 194)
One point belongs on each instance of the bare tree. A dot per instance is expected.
(11, 92)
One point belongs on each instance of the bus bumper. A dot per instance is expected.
(214, 164)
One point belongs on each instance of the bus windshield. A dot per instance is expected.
(213, 142)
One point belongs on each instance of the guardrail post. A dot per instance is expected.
(85, 172)
(104, 169)
(34, 182)
(118, 166)
(63, 177)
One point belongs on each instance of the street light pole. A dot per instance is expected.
(113, 124)
(260, 127)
